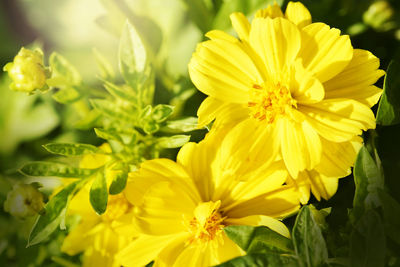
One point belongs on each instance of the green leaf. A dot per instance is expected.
(200, 14)
(183, 125)
(67, 95)
(98, 195)
(368, 180)
(108, 134)
(161, 112)
(88, 122)
(118, 183)
(106, 70)
(109, 109)
(391, 215)
(173, 141)
(125, 93)
(368, 244)
(262, 260)
(151, 127)
(309, 243)
(258, 239)
(389, 106)
(70, 149)
(54, 215)
(133, 62)
(63, 73)
(54, 169)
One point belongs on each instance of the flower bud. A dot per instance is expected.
(24, 201)
(27, 71)
(379, 16)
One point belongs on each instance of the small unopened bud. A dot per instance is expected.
(27, 71)
(380, 16)
(24, 200)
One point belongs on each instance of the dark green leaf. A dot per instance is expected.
(133, 62)
(54, 169)
(367, 244)
(98, 193)
(67, 95)
(368, 180)
(391, 214)
(63, 73)
(173, 141)
(161, 112)
(258, 239)
(262, 260)
(54, 215)
(118, 183)
(389, 106)
(308, 241)
(69, 149)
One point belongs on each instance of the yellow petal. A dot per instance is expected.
(339, 120)
(277, 42)
(169, 254)
(76, 241)
(297, 13)
(357, 79)
(271, 11)
(144, 249)
(261, 220)
(324, 51)
(322, 186)
(300, 145)
(302, 186)
(221, 35)
(227, 251)
(241, 25)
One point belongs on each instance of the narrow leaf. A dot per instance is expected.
(118, 183)
(309, 243)
(389, 106)
(109, 109)
(183, 125)
(106, 70)
(98, 193)
(70, 149)
(55, 169)
(173, 141)
(258, 239)
(125, 93)
(55, 211)
(67, 95)
(108, 134)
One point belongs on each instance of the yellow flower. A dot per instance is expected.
(27, 71)
(99, 236)
(290, 88)
(24, 200)
(181, 208)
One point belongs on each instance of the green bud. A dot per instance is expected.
(379, 16)
(27, 71)
(24, 200)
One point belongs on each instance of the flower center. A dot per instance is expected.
(268, 102)
(206, 225)
(117, 206)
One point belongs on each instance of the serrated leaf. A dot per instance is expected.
(121, 92)
(111, 110)
(63, 72)
(70, 149)
(118, 183)
(54, 169)
(368, 180)
(133, 62)
(67, 95)
(258, 239)
(98, 194)
(391, 215)
(161, 112)
(367, 243)
(262, 260)
(54, 215)
(108, 134)
(106, 70)
(183, 125)
(309, 244)
(389, 105)
(173, 141)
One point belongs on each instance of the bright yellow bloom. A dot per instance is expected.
(291, 88)
(99, 236)
(181, 208)
(27, 71)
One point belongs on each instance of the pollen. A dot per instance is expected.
(117, 206)
(267, 102)
(207, 223)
